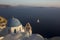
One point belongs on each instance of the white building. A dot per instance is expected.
(15, 25)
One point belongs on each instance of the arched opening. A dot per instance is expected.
(14, 30)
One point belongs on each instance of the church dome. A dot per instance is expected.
(13, 22)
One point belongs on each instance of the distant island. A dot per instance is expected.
(22, 6)
(5, 6)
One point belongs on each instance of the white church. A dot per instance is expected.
(13, 25)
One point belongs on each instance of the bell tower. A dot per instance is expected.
(28, 29)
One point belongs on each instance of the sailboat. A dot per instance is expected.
(38, 21)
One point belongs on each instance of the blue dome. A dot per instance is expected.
(13, 22)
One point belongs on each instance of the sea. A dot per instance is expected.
(49, 18)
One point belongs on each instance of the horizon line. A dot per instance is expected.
(28, 5)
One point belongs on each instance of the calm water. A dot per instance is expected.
(49, 19)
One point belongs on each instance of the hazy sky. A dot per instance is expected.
(48, 3)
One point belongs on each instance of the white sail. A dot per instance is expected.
(38, 21)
